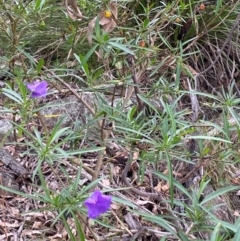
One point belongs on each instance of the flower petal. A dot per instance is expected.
(38, 89)
(97, 204)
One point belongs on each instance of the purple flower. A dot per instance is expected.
(38, 89)
(97, 204)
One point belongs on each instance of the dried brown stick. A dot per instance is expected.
(13, 164)
(97, 170)
(137, 91)
(74, 92)
(192, 172)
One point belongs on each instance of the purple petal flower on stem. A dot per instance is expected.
(97, 204)
(38, 89)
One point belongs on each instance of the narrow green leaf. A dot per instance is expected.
(145, 23)
(215, 234)
(237, 234)
(218, 5)
(11, 94)
(216, 126)
(219, 192)
(234, 115)
(164, 238)
(136, 132)
(178, 75)
(131, 113)
(79, 229)
(208, 138)
(164, 40)
(69, 229)
(201, 93)
(37, 4)
(159, 221)
(33, 197)
(84, 65)
(170, 178)
(91, 184)
(146, 100)
(213, 218)
(183, 236)
(85, 150)
(87, 56)
(122, 47)
(124, 202)
(40, 65)
(58, 134)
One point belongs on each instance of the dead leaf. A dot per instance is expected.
(106, 182)
(37, 225)
(57, 237)
(34, 214)
(107, 23)
(3, 237)
(29, 232)
(16, 224)
(99, 54)
(115, 206)
(161, 187)
(72, 9)
(155, 209)
(158, 188)
(90, 30)
(165, 187)
(141, 202)
(116, 171)
(190, 69)
(238, 193)
(15, 211)
(103, 21)
(236, 213)
(135, 155)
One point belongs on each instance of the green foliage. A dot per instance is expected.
(180, 50)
